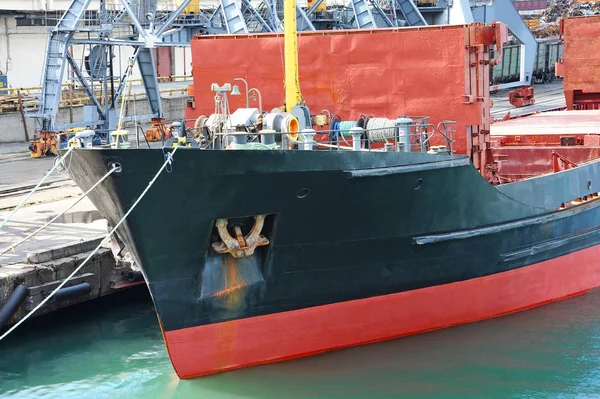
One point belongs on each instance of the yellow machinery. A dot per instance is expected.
(192, 8)
(44, 143)
(321, 7)
(156, 130)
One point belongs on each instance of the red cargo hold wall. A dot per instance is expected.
(384, 73)
(581, 62)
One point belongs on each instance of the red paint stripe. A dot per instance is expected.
(197, 351)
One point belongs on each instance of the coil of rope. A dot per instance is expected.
(381, 129)
(345, 126)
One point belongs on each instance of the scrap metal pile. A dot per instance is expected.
(557, 9)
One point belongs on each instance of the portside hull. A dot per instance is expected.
(363, 246)
(202, 350)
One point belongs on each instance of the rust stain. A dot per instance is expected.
(230, 289)
(227, 335)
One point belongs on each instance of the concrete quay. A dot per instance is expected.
(45, 260)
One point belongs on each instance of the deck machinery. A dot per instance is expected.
(145, 25)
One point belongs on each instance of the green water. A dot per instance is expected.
(114, 349)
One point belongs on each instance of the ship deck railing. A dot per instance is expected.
(388, 139)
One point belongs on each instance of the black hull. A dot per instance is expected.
(368, 224)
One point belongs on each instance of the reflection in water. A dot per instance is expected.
(114, 349)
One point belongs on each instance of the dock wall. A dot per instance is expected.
(44, 271)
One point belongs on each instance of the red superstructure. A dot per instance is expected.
(440, 71)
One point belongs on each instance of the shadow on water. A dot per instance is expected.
(114, 348)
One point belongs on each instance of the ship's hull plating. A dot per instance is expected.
(202, 350)
(362, 246)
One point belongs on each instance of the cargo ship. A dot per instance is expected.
(288, 233)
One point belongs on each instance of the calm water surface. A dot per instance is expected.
(114, 349)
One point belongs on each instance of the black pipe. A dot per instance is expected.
(112, 77)
(73, 291)
(134, 276)
(14, 301)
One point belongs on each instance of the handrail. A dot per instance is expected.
(417, 142)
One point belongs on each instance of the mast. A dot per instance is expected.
(292, 85)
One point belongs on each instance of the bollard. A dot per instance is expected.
(284, 142)
(403, 128)
(239, 140)
(267, 136)
(308, 135)
(177, 129)
(356, 133)
(85, 138)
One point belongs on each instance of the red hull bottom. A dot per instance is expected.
(202, 350)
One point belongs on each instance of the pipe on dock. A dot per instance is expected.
(134, 276)
(73, 291)
(14, 301)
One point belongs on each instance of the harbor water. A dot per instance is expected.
(114, 349)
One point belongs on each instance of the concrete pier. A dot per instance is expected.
(45, 260)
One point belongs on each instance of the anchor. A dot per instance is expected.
(241, 246)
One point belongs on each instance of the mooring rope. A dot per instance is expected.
(12, 247)
(381, 129)
(169, 160)
(345, 127)
(35, 188)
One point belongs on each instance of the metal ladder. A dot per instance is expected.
(302, 21)
(234, 19)
(145, 59)
(56, 60)
(411, 13)
(268, 10)
(255, 17)
(381, 13)
(362, 15)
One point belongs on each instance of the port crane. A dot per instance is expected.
(146, 25)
